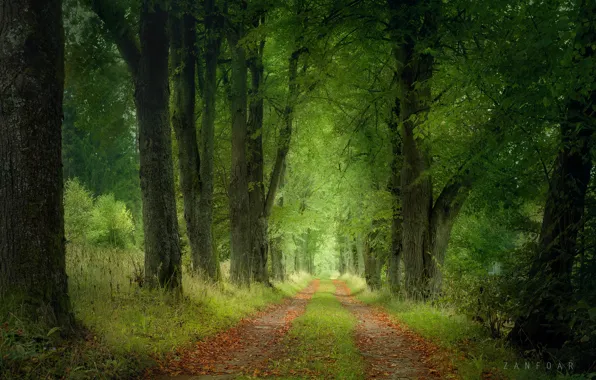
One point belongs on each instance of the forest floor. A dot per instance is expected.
(323, 332)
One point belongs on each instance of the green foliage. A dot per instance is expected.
(111, 223)
(101, 222)
(78, 208)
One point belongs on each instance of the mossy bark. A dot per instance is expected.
(32, 250)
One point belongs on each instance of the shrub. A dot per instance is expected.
(111, 223)
(78, 205)
(101, 222)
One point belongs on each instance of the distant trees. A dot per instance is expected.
(32, 261)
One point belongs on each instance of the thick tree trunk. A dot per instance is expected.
(208, 260)
(256, 188)
(149, 68)
(182, 27)
(395, 255)
(277, 256)
(414, 69)
(547, 319)
(550, 274)
(32, 262)
(239, 199)
(162, 242)
(416, 207)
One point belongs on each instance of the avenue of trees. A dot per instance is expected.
(441, 149)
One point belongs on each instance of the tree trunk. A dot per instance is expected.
(256, 188)
(32, 255)
(182, 27)
(414, 69)
(550, 274)
(372, 273)
(354, 252)
(208, 260)
(277, 260)
(277, 257)
(149, 68)
(239, 199)
(162, 242)
(547, 319)
(444, 214)
(395, 255)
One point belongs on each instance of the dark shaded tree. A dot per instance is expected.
(32, 253)
(147, 60)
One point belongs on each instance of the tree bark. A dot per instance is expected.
(32, 253)
(395, 256)
(372, 263)
(208, 260)
(256, 188)
(277, 256)
(444, 214)
(162, 242)
(182, 27)
(414, 70)
(285, 134)
(149, 68)
(354, 253)
(547, 320)
(241, 265)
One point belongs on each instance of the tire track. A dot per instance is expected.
(389, 350)
(245, 349)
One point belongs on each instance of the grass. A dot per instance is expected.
(125, 325)
(476, 354)
(321, 342)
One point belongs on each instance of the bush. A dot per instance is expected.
(78, 205)
(100, 222)
(111, 223)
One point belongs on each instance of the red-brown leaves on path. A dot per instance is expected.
(244, 349)
(389, 348)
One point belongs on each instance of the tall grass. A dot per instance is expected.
(474, 353)
(127, 325)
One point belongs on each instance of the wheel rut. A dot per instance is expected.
(245, 349)
(389, 350)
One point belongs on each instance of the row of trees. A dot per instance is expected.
(511, 88)
(400, 116)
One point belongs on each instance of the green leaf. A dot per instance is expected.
(53, 330)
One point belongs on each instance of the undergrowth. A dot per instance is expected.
(122, 325)
(476, 355)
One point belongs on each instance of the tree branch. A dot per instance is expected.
(116, 24)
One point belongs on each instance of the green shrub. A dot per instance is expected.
(111, 223)
(104, 221)
(78, 205)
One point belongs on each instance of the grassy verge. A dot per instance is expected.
(321, 343)
(126, 325)
(476, 354)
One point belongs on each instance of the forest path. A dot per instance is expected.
(246, 349)
(335, 337)
(389, 350)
